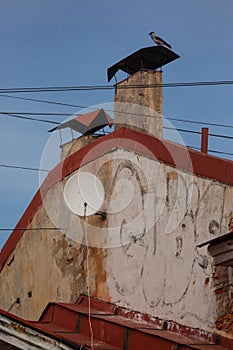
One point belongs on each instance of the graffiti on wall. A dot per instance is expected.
(158, 266)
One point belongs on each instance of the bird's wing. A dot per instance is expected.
(163, 41)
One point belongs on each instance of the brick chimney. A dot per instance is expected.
(138, 99)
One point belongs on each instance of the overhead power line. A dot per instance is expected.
(211, 151)
(42, 101)
(30, 229)
(22, 167)
(40, 113)
(220, 152)
(111, 87)
(107, 110)
(167, 128)
(200, 122)
(18, 114)
(198, 132)
(32, 119)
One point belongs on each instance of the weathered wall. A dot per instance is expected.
(45, 266)
(70, 147)
(156, 267)
(143, 256)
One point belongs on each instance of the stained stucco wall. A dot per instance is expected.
(143, 256)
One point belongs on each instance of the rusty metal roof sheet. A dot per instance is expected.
(147, 58)
(115, 328)
(87, 123)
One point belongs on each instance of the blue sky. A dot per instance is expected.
(73, 42)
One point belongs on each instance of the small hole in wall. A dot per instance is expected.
(30, 294)
(18, 301)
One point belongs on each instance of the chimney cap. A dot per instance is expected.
(147, 58)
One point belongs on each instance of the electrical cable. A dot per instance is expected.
(84, 226)
(108, 110)
(22, 167)
(220, 152)
(199, 122)
(16, 115)
(111, 87)
(198, 132)
(210, 150)
(32, 119)
(31, 229)
(39, 113)
(41, 101)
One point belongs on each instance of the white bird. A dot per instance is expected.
(159, 41)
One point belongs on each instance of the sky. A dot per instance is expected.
(72, 42)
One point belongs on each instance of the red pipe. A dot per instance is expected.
(204, 140)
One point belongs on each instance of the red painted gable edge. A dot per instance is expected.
(168, 152)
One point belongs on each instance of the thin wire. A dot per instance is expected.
(200, 122)
(198, 132)
(220, 152)
(221, 136)
(88, 281)
(32, 119)
(184, 130)
(38, 113)
(31, 229)
(22, 167)
(182, 84)
(41, 101)
(210, 150)
(14, 115)
(111, 87)
(111, 110)
(79, 106)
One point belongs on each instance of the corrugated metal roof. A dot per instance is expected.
(115, 328)
(6, 346)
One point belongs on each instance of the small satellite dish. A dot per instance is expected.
(84, 194)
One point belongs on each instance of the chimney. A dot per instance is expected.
(138, 99)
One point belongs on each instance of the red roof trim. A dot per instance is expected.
(111, 324)
(165, 151)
